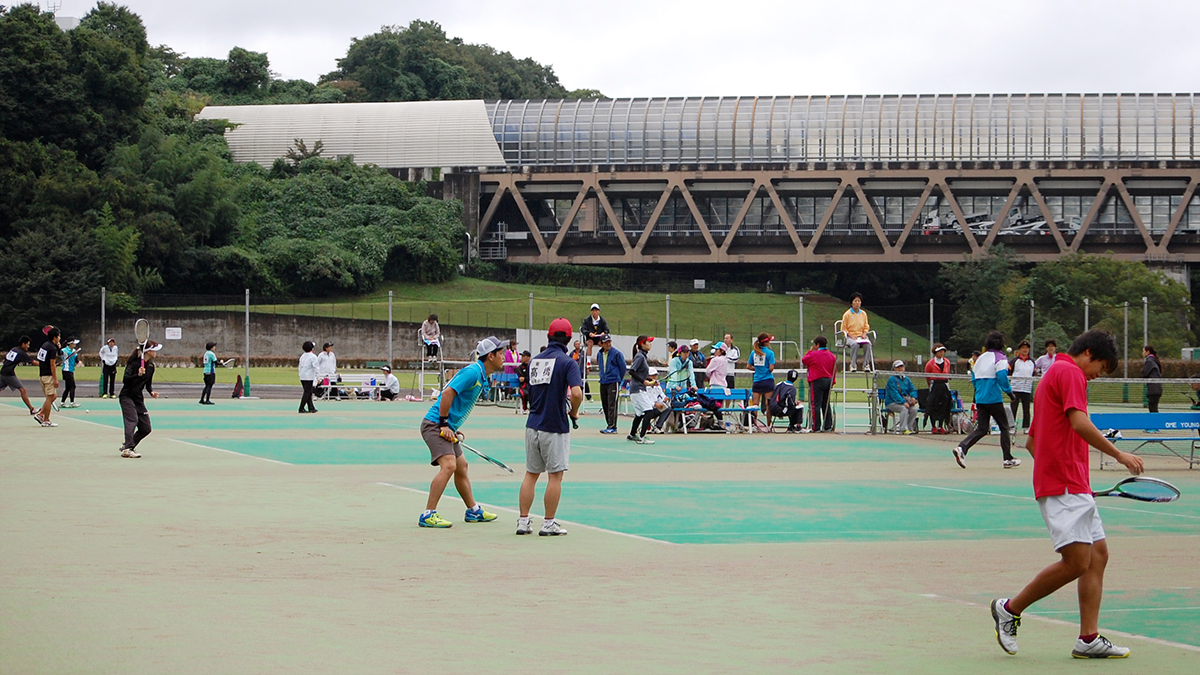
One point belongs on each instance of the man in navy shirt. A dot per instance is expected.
(612, 373)
(554, 382)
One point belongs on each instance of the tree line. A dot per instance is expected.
(107, 179)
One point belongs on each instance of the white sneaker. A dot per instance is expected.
(130, 453)
(49, 424)
(1012, 463)
(554, 530)
(960, 457)
(854, 369)
(1100, 648)
(524, 529)
(1007, 625)
(642, 440)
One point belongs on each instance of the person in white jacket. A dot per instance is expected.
(326, 368)
(308, 373)
(108, 369)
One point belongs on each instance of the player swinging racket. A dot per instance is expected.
(1058, 441)
(440, 430)
(139, 378)
(8, 372)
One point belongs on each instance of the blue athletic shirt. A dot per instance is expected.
(210, 362)
(469, 385)
(70, 357)
(551, 374)
(762, 370)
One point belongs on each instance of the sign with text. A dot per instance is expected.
(174, 334)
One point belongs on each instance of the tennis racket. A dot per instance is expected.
(497, 462)
(1143, 489)
(141, 331)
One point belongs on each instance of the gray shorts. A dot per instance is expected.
(546, 452)
(10, 382)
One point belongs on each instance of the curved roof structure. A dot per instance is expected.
(791, 129)
(391, 135)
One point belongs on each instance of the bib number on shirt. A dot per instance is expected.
(41, 354)
(759, 359)
(540, 371)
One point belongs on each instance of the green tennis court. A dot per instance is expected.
(704, 553)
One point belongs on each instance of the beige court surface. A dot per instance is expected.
(249, 539)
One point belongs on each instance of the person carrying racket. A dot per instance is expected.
(1058, 442)
(138, 381)
(441, 432)
(210, 374)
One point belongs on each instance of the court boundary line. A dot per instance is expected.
(1045, 619)
(514, 511)
(1102, 506)
(206, 447)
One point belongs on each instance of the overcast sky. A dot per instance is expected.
(701, 47)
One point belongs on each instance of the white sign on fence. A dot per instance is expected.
(174, 334)
(698, 284)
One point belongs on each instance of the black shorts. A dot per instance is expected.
(764, 387)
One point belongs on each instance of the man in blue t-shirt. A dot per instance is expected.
(554, 382)
(440, 430)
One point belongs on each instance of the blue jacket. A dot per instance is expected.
(990, 377)
(898, 387)
(612, 366)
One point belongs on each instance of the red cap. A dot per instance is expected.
(559, 325)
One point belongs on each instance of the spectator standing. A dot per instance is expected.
(939, 404)
(821, 364)
(512, 361)
(108, 368)
(593, 327)
(1044, 361)
(857, 328)
(734, 355)
(900, 397)
(717, 370)
(523, 382)
(70, 356)
(763, 361)
(1021, 370)
(697, 358)
(308, 374)
(553, 379)
(612, 373)
(1152, 369)
(431, 335)
(639, 376)
(327, 363)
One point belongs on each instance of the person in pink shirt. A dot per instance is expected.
(718, 367)
(1058, 442)
(821, 364)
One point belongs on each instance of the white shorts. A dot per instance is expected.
(641, 401)
(1071, 519)
(546, 452)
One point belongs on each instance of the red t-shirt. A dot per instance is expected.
(1060, 463)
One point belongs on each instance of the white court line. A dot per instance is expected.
(1134, 609)
(630, 452)
(569, 522)
(206, 447)
(1099, 505)
(1044, 619)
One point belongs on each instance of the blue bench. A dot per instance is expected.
(742, 397)
(1176, 425)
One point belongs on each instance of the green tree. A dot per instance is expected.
(977, 287)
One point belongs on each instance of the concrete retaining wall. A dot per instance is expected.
(278, 337)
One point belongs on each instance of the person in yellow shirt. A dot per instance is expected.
(857, 328)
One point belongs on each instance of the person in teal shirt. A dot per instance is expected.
(70, 356)
(763, 361)
(210, 374)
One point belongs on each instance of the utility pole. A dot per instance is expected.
(1087, 305)
(390, 352)
(1126, 339)
(668, 317)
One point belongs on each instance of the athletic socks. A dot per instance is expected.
(548, 523)
(1089, 638)
(523, 522)
(1009, 610)
(427, 512)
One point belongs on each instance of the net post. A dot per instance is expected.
(390, 359)
(668, 329)
(1031, 323)
(246, 387)
(1087, 306)
(1145, 321)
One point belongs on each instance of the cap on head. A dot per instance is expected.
(939, 347)
(595, 306)
(765, 338)
(898, 363)
(210, 345)
(559, 328)
(73, 341)
(793, 375)
(719, 345)
(605, 338)
(327, 345)
(695, 343)
(488, 345)
(682, 349)
(308, 345)
(153, 346)
(653, 372)
(386, 369)
(645, 339)
(111, 340)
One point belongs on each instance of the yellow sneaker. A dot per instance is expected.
(478, 515)
(432, 519)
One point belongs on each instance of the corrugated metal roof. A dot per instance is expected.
(391, 135)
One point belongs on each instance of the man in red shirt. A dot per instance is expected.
(1059, 441)
(820, 363)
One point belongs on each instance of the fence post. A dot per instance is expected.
(802, 343)
(531, 313)
(246, 384)
(1031, 323)
(931, 326)
(668, 317)
(1126, 344)
(1145, 321)
(1087, 305)
(391, 361)
(103, 321)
